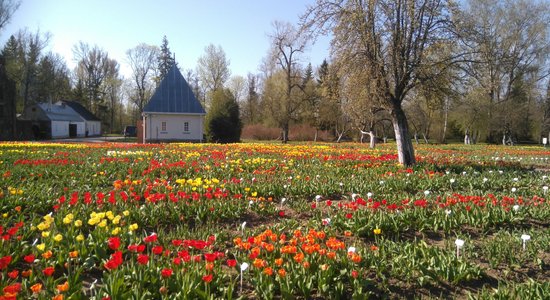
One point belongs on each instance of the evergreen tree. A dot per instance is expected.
(165, 59)
(308, 75)
(223, 123)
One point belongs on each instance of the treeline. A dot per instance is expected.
(474, 71)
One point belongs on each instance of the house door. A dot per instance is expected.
(72, 130)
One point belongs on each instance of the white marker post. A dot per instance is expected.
(243, 225)
(244, 266)
(459, 244)
(525, 238)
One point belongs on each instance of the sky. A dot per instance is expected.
(240, 27)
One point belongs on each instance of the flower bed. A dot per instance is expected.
(118, 221)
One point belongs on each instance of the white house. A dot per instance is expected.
(92, 124)
(173, 113)
(54, 121)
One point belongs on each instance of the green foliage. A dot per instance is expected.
(165, 59)
(223, 123)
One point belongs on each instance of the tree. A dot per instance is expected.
(506, 42)
(223, 123)
(388, 38)
(165, 60)
(93, 66)
(213, 69)
(544, 113)
(7, 9)
(328, 107)
(54, 82)
(142, 60)
(251, 111)
(113, 93)
(23, 53)
(287, 44)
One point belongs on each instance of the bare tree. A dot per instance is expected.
(91, 71)
(143, 62)
(506, 41)
(113, 92)
(7, 9)
(213, 68)
(390, 38)
(287, 46)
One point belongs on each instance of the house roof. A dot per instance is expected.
(81, 110)
(174, 96)
(57, 112)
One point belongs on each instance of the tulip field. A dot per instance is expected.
(264, 221)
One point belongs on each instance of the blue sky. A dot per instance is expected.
(239, 26)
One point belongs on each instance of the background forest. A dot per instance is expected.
(484, 79)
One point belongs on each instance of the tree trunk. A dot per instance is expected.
(444, 134)
(372, 139)
(416, 137)
(316, 133)
(405, 150)
(340, 135)
(425, 138)
(285, 133)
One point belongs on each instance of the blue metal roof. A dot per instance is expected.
(56, 112)
(174, 96)
(81, 110)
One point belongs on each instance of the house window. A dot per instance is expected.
(186, 127)
(163, 126)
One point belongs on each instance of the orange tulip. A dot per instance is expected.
(268, 271)
(282, 272)
(356, 258)
(209, 266)
(259, 263)
(47, 254)
(36, 288)
(298, 257)
(63, 287)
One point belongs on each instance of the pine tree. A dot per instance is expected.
(223, 123)
(165, 60)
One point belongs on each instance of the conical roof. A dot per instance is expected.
(174, 95)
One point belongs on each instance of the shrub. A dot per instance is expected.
(223, 123)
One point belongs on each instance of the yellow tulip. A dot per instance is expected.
(58, 238)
